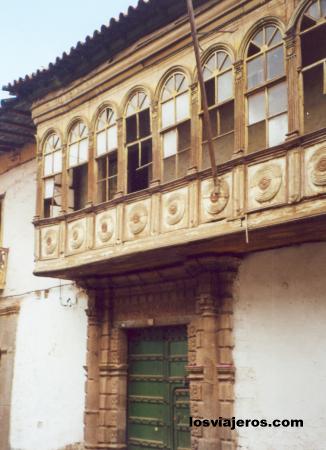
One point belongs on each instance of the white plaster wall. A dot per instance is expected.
(48, 385)
(19, 187)
(48, 388)
(280, 347)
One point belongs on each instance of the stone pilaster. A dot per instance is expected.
(293, 83)
(91, 418)
(239, 108)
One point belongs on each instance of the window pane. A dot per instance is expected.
(73, 154)
(210, 92)
(182, 105)
(184, 136)
(100, 143)
(313, 11)
(225, 87)
(256, 137)
(48, 188)
(323, 7)
(57, 161)
(226, 117)
(277, 99)
(113, 164)
(112, 138)
(169, 169)
(131, 124)
(144, 123)
(102, 168)
(183, 163)
(83, 151)
(275, 63)
(168, 113)
(277, 129)
(255, 69)
(169, 143)
(256, 106)
(48, 164)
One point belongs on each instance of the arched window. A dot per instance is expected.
(139, 142)
(77, 166)
(106, 155)
(52, 176)
(218, 77)
(313, 55)
(175, 127)
(267, 118)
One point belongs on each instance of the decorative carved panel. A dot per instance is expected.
(105, 228)
(267, 184)
(50, 237)
(315, 171)
(175, 210)
(76, 236)
(137, 219)
(215, 206)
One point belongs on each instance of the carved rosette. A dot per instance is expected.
(76, 236)
(317, 165)
(105, 228)
(215, 203)
(137, 219)
(50, 242)
(175, 209)
(266, 183)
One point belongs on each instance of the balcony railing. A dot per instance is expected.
(3, 266)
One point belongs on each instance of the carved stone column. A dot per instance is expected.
(293, 82)
(156, 147)
(91, 419)
(227, 273)
(122, 160)
(239, 109)
(91, 185)
(210, 343)
(195, 150)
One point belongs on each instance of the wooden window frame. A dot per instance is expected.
(177, 124)
(108, 154)
(217, 105)
(53, 174)
(139, 140)
(265, 85)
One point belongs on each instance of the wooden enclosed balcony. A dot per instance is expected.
(270, 198)
(3, 266)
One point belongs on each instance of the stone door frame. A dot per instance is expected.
(198, 294)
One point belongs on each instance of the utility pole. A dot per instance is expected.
(207, 122)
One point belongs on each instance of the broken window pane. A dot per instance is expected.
(182, 107)
(225, 86)
(210, 92)
(256, 106)
(184, 136)
(183, 163)
(277, 129)
(256, 137)
(275, 63)
(314, 99)
(226, 118)
(169, 168)
(168, 115)
(277, 99)
(170, 143)
(313, 46)
(79, 186)
(131, 124)
(144, 123)
(255, 69)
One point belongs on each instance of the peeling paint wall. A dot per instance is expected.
(280, 347)
(47, 398)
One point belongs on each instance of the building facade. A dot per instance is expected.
(198, 304)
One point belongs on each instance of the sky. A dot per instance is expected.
(34, 32)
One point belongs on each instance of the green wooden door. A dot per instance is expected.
(158, 397)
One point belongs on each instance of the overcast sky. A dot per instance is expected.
(34, 32)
